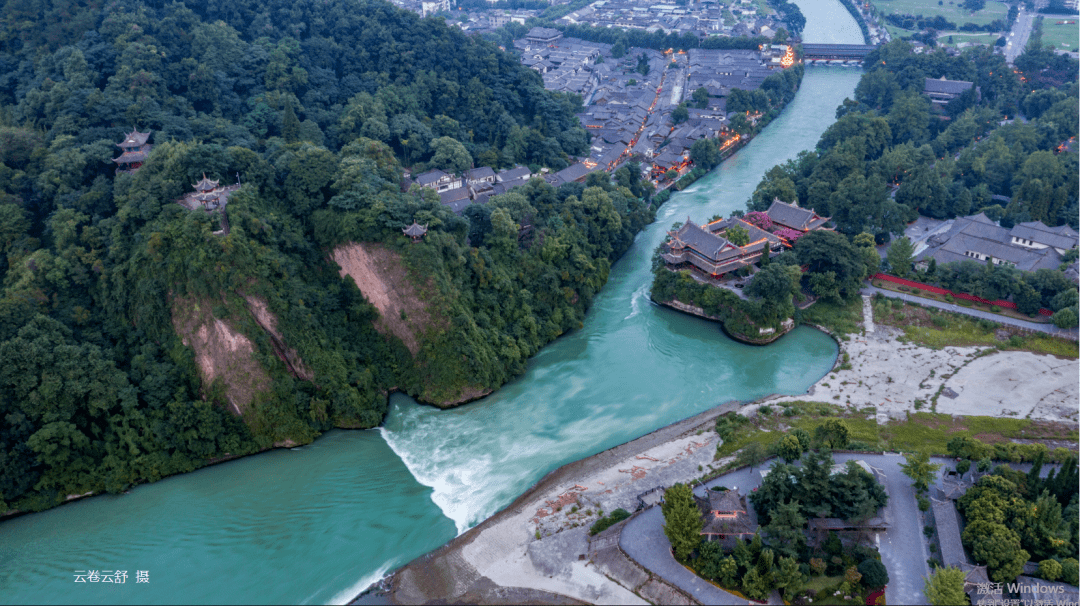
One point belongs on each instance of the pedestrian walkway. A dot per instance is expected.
(1049, 329)
(868, 314)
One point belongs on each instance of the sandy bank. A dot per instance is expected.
(974, 381)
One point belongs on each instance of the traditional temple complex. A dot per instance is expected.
(710, 251)
(135, 151)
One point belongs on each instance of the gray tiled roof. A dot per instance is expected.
(692, 236)
(947, 521)
(979, 234)
(543, 33)
(977, 586)
(788, 215)
(574, 172)
(948, 87)
(453, 195)
(744, 522)
(415, 230)
(726, 501)
(476, 174)
(1036, 231)
(430, 177)
(753, 231)
(512, 174)
(505, 186)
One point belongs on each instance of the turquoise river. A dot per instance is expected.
(320, 523)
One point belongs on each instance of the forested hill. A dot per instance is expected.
(138, 343)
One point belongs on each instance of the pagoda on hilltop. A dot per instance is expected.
(135, 151)
(415, 231)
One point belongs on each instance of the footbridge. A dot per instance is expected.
(836, 52)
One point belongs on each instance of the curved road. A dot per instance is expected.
(903, 549)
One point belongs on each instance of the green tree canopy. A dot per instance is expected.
(682, 520)
(919, 468)
(900, 255)
(945, 587)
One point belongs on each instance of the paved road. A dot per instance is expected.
(643, 540)
(1018, 38)
(903, 548)
(1046, 328)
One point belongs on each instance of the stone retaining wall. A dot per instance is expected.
(612, 561)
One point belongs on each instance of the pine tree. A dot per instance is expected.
(682, 520)
(290, 125)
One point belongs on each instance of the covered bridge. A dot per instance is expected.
(836, 52)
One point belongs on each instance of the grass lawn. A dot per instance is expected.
(960, 37)
(1061, 37)
(820, 583)
(952, 10)
(897, 32)
(840, 319)
(921, 431)
(935, 328)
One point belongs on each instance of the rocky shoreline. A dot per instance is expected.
(692, 310)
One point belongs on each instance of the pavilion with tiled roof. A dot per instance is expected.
(415, 231)
(726, 516)
(135, 151)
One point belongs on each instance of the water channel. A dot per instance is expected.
(320, 523)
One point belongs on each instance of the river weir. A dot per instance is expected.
(320, 523)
